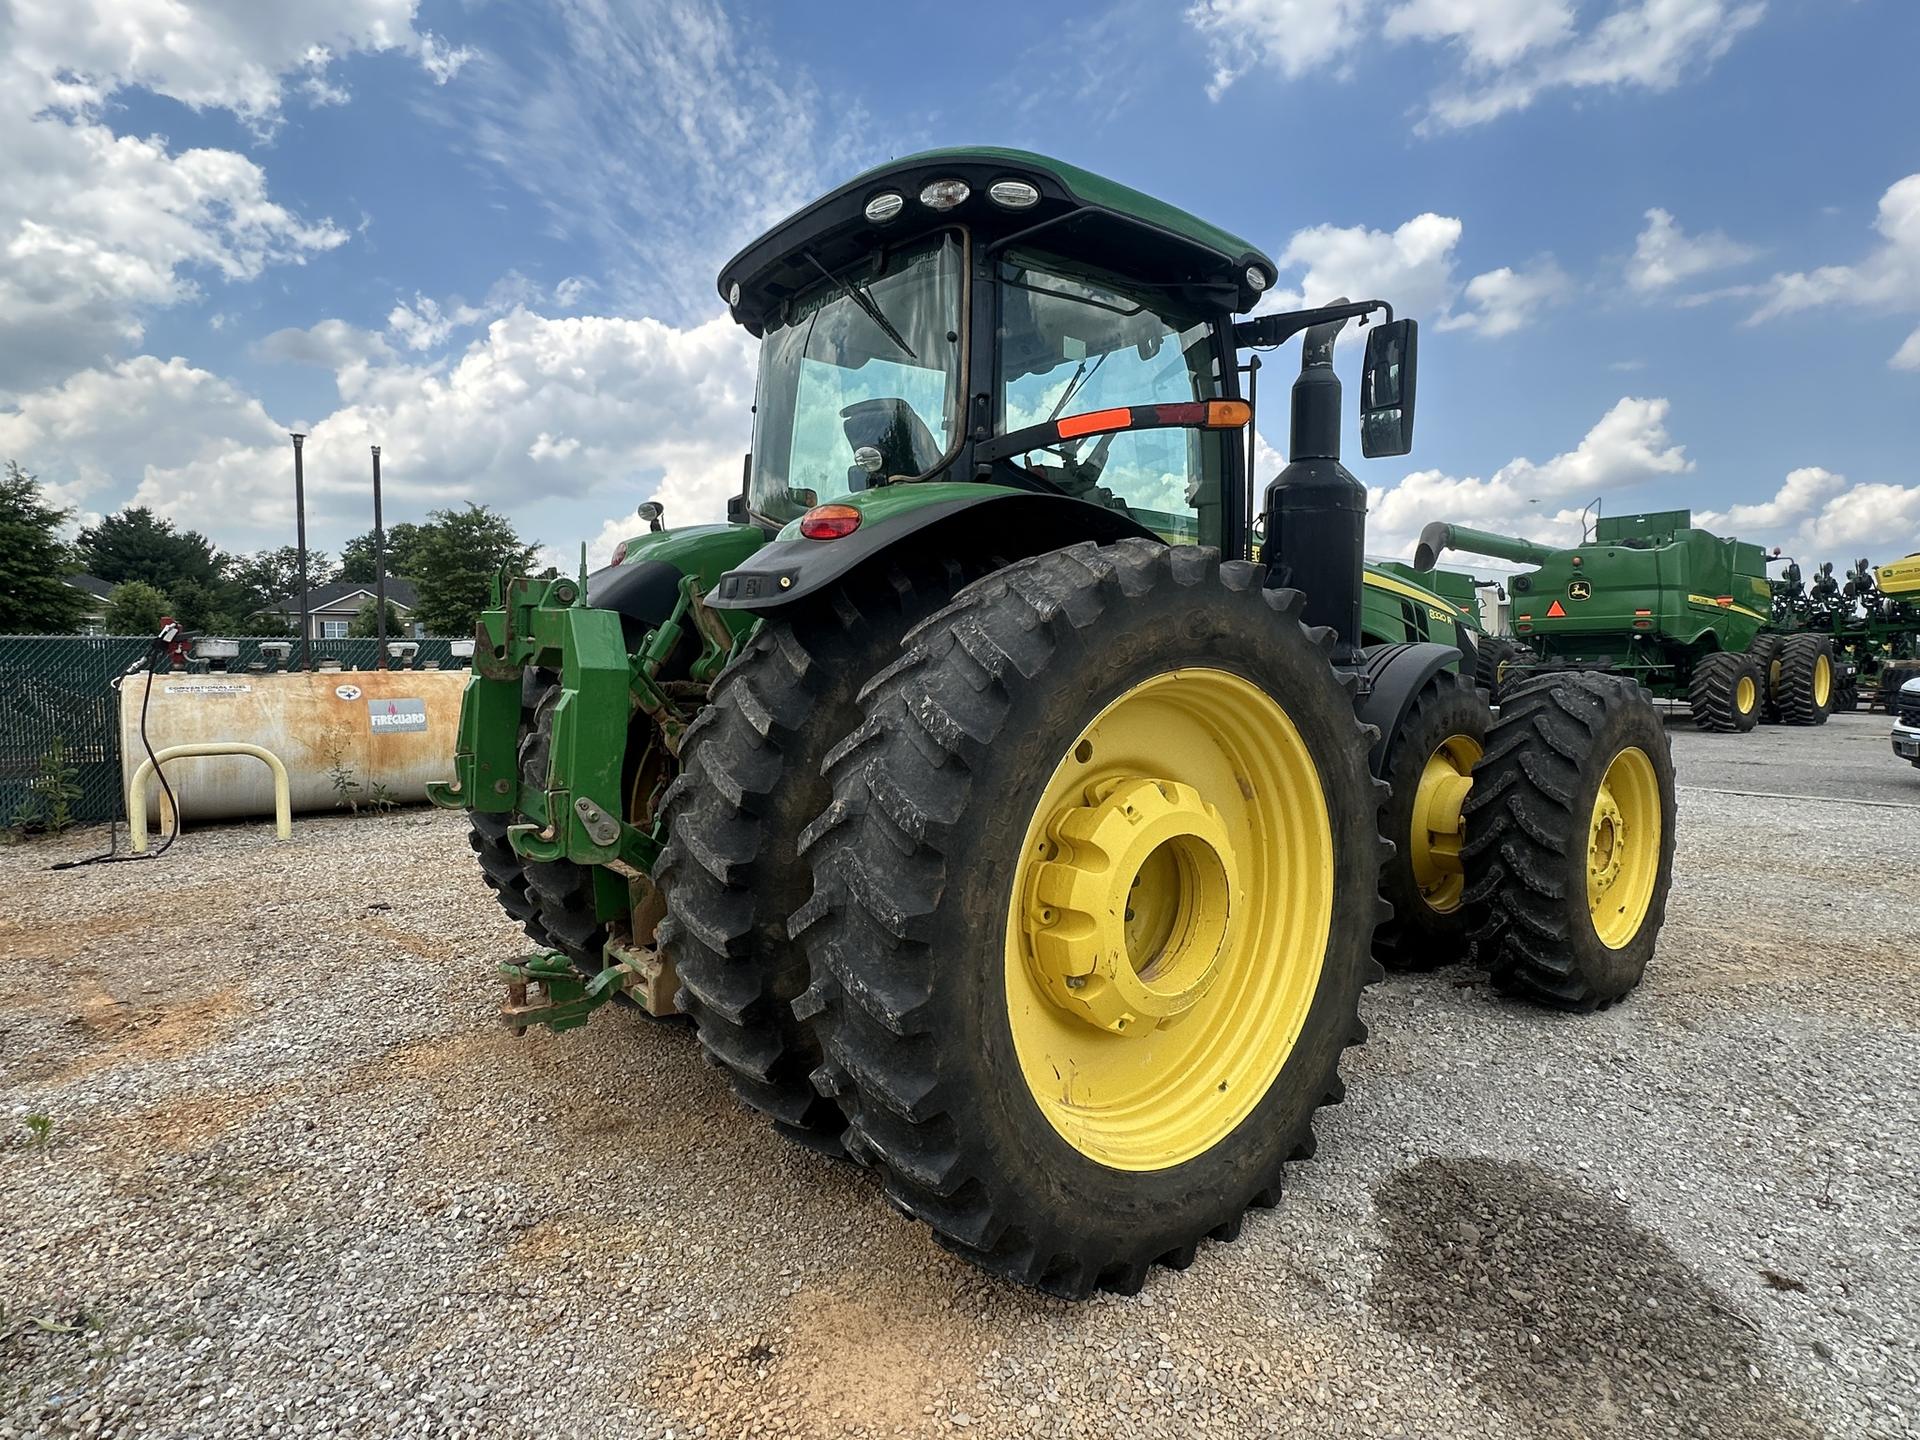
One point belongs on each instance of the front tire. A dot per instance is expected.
(1067, 1094)
(1570, 834)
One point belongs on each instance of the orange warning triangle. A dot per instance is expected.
(1554, 609)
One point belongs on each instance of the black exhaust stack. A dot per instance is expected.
(1316, 512)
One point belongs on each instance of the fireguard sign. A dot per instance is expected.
(390, 716)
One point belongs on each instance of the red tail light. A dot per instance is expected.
(620, 553)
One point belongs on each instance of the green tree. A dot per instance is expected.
(136, 608)
(136, 544)
(35, 598)
(255, 581)
(200, 608)
(458, 553)
(403, 545)
(366, 623)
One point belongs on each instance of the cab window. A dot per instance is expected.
(1070, 341)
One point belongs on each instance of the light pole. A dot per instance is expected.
(300, 536)
(379, 568)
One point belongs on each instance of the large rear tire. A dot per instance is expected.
(750, 779)
(1724, 692)
(1430, 768)
(1570, 834)
(1806, 679)
(1133, 728)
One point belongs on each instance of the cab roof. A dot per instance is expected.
(1078, 214)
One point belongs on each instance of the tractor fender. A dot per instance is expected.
(953, 519)
(643, 589)
(1396, 674)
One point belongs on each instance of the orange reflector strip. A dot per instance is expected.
(1555, 609)
(1643, 612)
(1228, 414)
(1095, 420)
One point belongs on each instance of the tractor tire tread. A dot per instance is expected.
(904, 811)
(750, 778)
(1713, 692)
(1527, 821)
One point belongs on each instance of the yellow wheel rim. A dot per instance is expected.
(1746, 695)
(1822, 679)
(1623, 848)
(1168, 919)
(1438, 827)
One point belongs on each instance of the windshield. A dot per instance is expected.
(1070, 342)
(860, 383)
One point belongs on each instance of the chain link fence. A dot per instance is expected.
(58, 703)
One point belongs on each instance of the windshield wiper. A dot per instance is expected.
(1081, 376)
(865, 302)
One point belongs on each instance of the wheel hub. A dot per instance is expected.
(1439, 826)
(1606, 844)
(1129, 912)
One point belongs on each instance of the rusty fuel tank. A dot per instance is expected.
(340, 733)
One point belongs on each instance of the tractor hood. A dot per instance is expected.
(1000, 195)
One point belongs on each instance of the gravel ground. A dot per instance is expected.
(298, 1182)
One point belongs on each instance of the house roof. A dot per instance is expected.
(340, 594)
(92, 584)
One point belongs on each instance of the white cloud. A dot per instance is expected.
(1506, 300)
(1492, 33)
(1628, 446)
(1293, 36)
(443, 61)
(97, 229)
(535, 411)
(1818, 515)
(1511, 51)
(331, 345)
(665, 122)
(1412, 268)
(1887, 279)
(1802, 493)
(1665, 255)
(222, 54)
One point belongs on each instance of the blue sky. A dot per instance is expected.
(1661, 249)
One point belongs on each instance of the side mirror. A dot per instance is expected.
(1386, 389)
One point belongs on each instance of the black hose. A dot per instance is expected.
(109, 856)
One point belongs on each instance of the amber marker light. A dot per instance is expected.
(829, 522)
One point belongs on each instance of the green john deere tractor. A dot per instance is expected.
(1000, 821)
(1681, 610)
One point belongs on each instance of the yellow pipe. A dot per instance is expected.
(137, 788)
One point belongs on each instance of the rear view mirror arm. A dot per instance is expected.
(1270, 330)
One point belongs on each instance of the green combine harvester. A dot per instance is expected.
(1682, 611)
(1000, 821)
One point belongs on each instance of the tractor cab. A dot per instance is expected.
(990, 328)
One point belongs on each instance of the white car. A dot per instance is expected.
(1906, 722)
